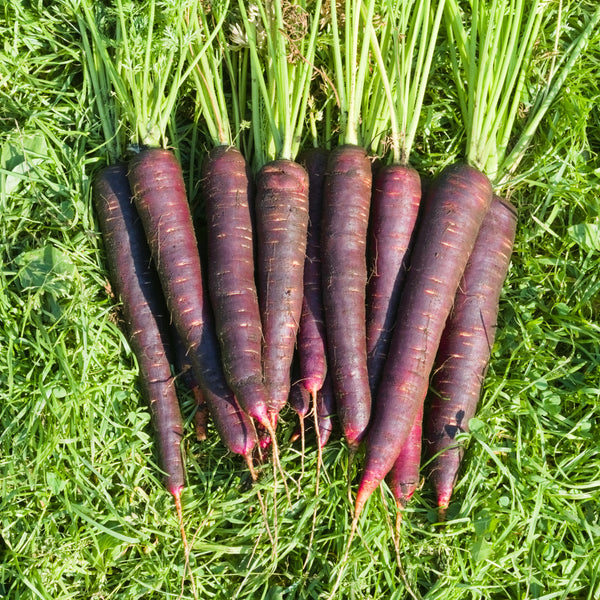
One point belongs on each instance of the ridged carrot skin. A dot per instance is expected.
(465, 347)
(299, 398)
(394, 209)
(184, 372)
(159, 193)
(403, 478)
(455, 208)
(312, 344)
(324, 406)
(346, 202)
(281, 205)
(226, 185)
(135, 283)
(325, 411)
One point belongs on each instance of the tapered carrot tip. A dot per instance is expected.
(361, 499)
(263, 416)
(442, 509)
(366, 487)
(312, 385)
(443, 501)
(295, 434)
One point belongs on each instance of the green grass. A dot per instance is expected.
(83, 513)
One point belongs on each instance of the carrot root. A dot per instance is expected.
(346, 202)
(453, 212)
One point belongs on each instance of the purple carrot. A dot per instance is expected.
(465, 347)
(346, 201)
(135, 283)
(394, 209)
(311, 333)
(281, 204)
(455, 207)
(159, 194)
(226, 186)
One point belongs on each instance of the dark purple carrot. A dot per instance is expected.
(159, 193)
(346, 202)
(455, 207)
(226, 186)
(281, 204)
(403, 478)
(394, 209)
(200, 415)
(135, 283)
(465, 347)
(184, 372)
(325, 412)
(311, 333)
(299, 396)
(300, 401)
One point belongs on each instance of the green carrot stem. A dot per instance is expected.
(548, 96)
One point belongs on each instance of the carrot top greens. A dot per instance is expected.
(403, 53)
(380, 57)
(492, 55)
(101, 86)
(351, 62)
(141, 51)
(214, 67)
(556, 75)
(281, 38)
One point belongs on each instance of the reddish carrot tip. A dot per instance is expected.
(361, 499)
(312, 386)
(262, 416)
(365, 489)
(443, 499)
(176, 492)
(295, 435)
